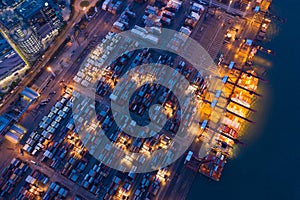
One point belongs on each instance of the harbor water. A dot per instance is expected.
(268, 167)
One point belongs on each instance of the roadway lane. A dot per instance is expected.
(35, 69)
(55, 176)
(12, 151)
(99, 27)
(31, 118)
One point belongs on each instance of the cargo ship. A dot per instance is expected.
(244, 90)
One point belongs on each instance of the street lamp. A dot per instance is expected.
(247, 9)
(248, 6)
(228, 8)
(84, 10)
(51, 71)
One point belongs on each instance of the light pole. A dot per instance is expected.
(51, 71)
(247, 9)
(84, 10)
(228, 8)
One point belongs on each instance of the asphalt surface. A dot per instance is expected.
(101, 25)
(9, 98)
(181, 177)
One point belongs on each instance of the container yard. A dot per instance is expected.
(54, 160)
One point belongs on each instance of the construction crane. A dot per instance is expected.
(245, 72)
(244, 118)
(235, 140)
(195, 163)
(270, 15)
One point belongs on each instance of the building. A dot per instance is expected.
(47, 22)
(24, 41)
(12, 67)
(9, 18)
(27, 41)
(30, 26)
(15, 133)
(28, 8)
(4, 123)
(10, 3)
(19, 36)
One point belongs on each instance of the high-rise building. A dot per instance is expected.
(29, 26)
(27, 41)
(9, 23)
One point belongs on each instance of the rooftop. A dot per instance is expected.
(29, 93)
(11, 2)
(29, 7)
(3, 122)
(10, 63)
(9, 18)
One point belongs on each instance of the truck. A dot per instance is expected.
(188, 157)
(105, 4)
(119, 26)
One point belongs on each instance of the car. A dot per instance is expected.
(202, 2)
(67, 96)
(54, 110)
(62, 101)
(69, 90)
(45, 180)
(34, 152)
(168, 14)
(62, 114)
(141, 110)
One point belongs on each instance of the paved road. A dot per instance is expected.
(10, 98)
(12, 151)
(178, 187)
(31, 118)
(55, 176)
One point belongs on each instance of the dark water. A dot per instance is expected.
(269, 167)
